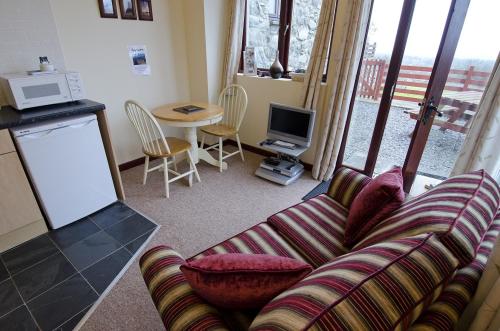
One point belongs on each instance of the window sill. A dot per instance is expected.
(241, 76)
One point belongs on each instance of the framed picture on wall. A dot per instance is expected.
(127, 9)
(145, 10)
(108, 8)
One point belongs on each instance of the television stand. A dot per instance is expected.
(283, 169)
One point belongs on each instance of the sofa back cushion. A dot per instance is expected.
(382, 287)
(459, 211)
(346, 184)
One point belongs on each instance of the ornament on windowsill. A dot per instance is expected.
(276, 69)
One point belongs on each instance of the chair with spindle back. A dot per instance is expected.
(234, 100)
(156, 145)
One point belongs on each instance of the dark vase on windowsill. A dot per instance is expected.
(276, 69)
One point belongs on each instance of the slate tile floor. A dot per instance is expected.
(51, 281)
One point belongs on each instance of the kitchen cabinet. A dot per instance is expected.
(20, 216)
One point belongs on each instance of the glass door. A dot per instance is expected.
(395, 125)
(462, 71)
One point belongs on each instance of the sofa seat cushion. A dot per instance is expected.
(382, 287)
(445, 312)
(314, 227)
(459, 210)
(260, 239)
(243, 281)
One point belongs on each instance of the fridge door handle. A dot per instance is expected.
(81, 125)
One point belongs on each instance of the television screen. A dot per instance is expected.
(290, 122)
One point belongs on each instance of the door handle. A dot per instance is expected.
(429, 108)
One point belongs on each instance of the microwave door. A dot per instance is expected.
(40, 91)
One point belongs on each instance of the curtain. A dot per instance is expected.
(319, 52)
(480, 149)
(349, 30)
(233, 42)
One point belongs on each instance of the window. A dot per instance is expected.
(287, 26)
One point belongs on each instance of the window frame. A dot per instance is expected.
(284, 36)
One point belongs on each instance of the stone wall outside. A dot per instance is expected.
(263, 32)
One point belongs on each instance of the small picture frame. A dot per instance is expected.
(249, 65)
(145, 10)
(108, 8)
(128, 10)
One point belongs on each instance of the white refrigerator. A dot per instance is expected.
(68, 168)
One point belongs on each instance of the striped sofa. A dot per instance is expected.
(417, 270)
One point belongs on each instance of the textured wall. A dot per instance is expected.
(27, 31)
(263, 32)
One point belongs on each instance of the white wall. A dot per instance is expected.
(27, 31)
(216, 32)
(97, 48)
(261, 92)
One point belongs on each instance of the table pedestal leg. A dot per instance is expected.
(198, 153)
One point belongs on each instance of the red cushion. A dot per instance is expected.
(243, 281)
(375, 202)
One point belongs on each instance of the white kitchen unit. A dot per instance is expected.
(67, 164)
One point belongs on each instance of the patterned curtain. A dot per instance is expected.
(233, 42)
(349, 29)
(481, 147)
(319, 52)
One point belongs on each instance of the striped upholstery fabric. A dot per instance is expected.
(346, 184)
(444, 314)
(260, 239)
(179, 307)
(382, 287)
(314, 227)
(459, 210)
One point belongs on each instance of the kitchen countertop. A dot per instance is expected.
(10, 117)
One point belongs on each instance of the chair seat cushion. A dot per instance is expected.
(459, 211)
(219, 130)
(314, 227)
(243, 281)
(382, 287)
(377, 200)
(260, 239)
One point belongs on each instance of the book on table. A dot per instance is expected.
(188, 109)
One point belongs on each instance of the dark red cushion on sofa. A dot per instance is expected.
(375, 202)
(243, 281)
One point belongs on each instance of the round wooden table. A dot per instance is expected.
(190, 122)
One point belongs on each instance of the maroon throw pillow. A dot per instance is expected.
(243, 281)
(374, 203)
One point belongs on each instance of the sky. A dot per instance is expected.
(479, 39)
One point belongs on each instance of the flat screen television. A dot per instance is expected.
(290, 124)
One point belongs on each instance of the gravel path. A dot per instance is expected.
(439, 156)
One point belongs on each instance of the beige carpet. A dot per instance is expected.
(192, 220)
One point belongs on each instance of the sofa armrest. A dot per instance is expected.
(346, 184)
(179, 306)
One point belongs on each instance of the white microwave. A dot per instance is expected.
(26, 91)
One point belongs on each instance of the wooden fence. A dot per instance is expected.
(413, 80)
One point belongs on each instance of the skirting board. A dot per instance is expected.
(253, 149)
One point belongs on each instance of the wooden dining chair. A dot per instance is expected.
(234, 100)
(156, 145)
